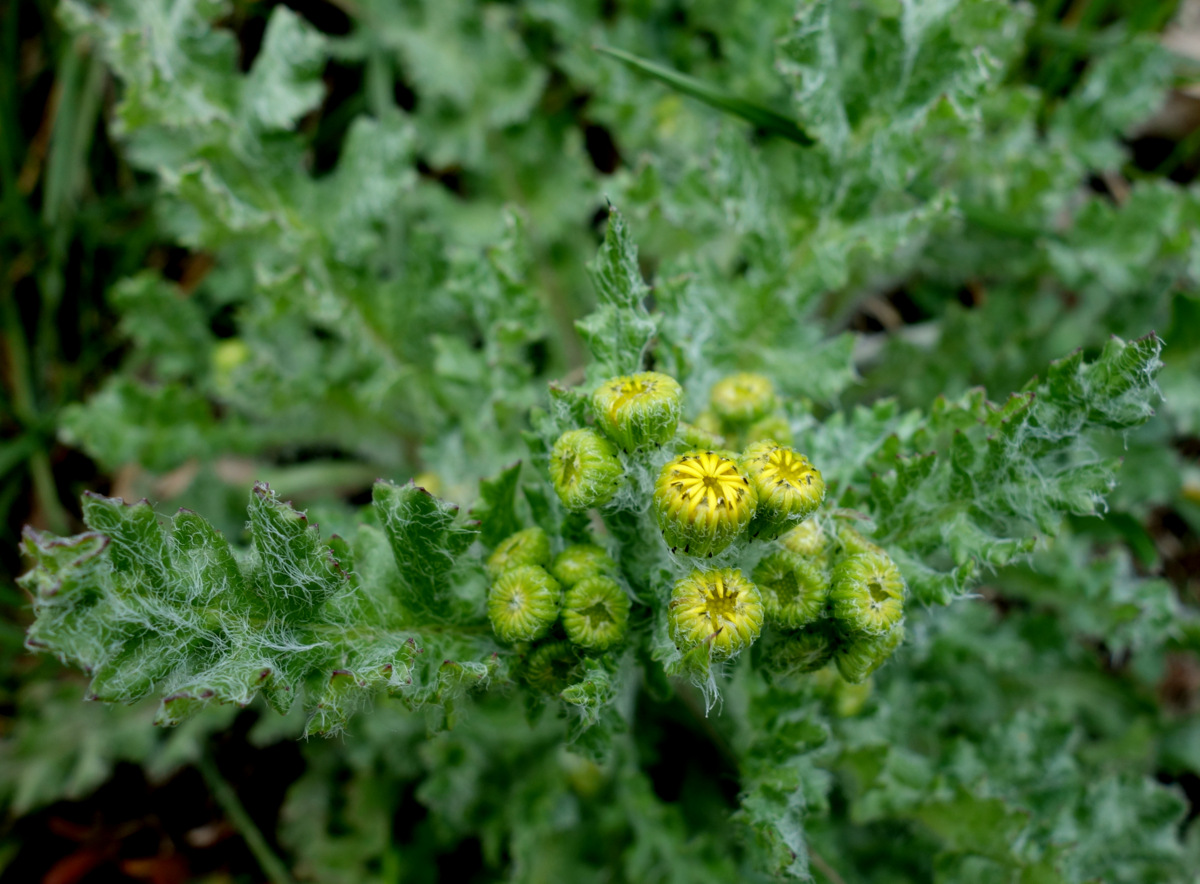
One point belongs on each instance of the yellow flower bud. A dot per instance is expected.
(720, 609)
(794, 590)
(584, 469)
(702, 502)
(581, 560)
(528, 547)
(789, 488)
(596, 613)
(742, 398)
(523, 603)
(640, 410)
(868, 594)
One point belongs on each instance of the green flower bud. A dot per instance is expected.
(708, 422)
(720, 609)
(584, 469)
(794, 590)
(850, 543)
(806, 539)
(789, 488)
(868, 593)
(773, 428)
(528, 547)
(743, 398)
(859, 656)
(579, 561)
(640, 410)
(696, 437)
(798, 653)
(550, 667)
(596, 613)
(702, 502)
(523, 603)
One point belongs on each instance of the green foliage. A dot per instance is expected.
(387, 285)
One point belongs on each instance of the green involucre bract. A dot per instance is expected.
(640, 410)
(697, 437)
(720, 609)
(806, 539)
(581, 560)
(860, 655)
(868, 593)
(596, 613)
(742, 398)
(584, 469)
(794, 589)
(523, 603)
(528, 547)
(789, 488)
(702, 502)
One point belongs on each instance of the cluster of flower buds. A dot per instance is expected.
(838, 598)
(742, 409)
(531, 592)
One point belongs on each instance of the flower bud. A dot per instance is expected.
(581, 560)
(806, 539)
(640, 410)
(794, 590)
(868, 594)
(719, 608)
(523, 603)
(789, 488)
(528, 547)
(584, 469)
(596, 613)
(849, 542)
(696, 437)
(702, 502)
(742, 398)
(859, 656)
(550, 666)
(798, 653)
(772, 428)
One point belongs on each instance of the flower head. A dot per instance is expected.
(581, 560)
(719, 608)
(794, 590)
(584, 469)
(523, 603)
(702, 502)
(528, 547)
(789, 488)
(806, 539)
(639, 410)
(868, 593)
(772, 428)
(742, 398)
(596, 613)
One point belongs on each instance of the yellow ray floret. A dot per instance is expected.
(721, 608)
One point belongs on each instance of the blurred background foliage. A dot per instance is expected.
(323, 241)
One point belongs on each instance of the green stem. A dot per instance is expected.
(271, 865)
